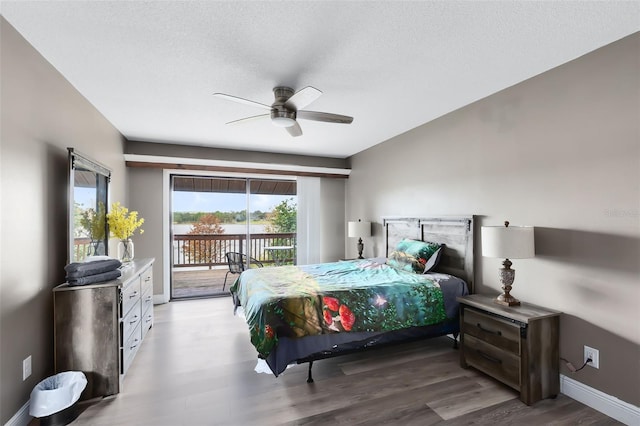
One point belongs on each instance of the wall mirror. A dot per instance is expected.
(88, 202)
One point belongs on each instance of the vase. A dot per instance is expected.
(96, 248)
(92, 250)
(125, 250)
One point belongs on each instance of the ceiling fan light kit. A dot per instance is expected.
(287, 108)
(283, 117)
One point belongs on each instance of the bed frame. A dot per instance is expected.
(457, 259)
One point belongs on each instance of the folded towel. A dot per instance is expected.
(96, 257)
(97, 278)
(83, 269)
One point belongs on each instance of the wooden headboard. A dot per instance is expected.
(455, 232)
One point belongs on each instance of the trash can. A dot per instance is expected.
(53, 400)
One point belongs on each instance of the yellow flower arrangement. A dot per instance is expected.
(93, 222)
(123, 223)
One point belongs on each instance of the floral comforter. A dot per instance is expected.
(341, 297)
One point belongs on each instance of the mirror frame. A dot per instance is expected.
(79, 161)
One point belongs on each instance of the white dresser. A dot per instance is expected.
(99, 327)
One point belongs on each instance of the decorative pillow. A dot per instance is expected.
(404, 262)
(433, 260)
(413, 255)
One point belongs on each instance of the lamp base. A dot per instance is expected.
(507, 275)
(507, 300)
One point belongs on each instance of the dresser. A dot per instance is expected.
(517, 345)
(98, 328)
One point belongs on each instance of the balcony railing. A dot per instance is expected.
(210, 249)
(82, 247)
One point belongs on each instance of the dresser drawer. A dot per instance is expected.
(146, 280)
(147, 321)
(499, 332)
(147, 301)
(493, 361)
(147, 311)
(130, 295)
(131, 321)
(130, 348)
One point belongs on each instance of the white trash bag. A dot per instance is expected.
(56, 393)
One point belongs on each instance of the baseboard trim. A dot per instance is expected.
(610, 405)
(21, 418)
(159, 299)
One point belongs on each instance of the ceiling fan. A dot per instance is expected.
(287, 108)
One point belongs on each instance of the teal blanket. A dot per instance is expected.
(341, 297)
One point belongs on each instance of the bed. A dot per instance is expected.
(300, 314)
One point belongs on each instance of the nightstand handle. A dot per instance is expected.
(489, 357)
(497, 333)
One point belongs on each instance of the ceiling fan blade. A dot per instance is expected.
(324, 116)
(294, 130)
(302, 98)
(249, 119)
(241, 100)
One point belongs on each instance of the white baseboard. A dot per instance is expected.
(21, 418)
(607, 404)
(159, 299)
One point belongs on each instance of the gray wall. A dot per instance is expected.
(145, 190)
(560, 151)
(42, 115)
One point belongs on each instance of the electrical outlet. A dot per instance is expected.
(26, 368)
(594, 354)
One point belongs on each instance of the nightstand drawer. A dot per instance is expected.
(495, 362)
(499, 332)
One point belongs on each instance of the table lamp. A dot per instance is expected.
(358, 230)
(508, 242)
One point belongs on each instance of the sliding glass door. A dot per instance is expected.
(251, 219)
(273, 219)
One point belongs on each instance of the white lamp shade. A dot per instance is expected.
(359, 229)
(508, 242)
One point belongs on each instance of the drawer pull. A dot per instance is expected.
(132, 347)
(489, 357)
(134, 294)
(146, 280)
(134, 320)
(486, 330)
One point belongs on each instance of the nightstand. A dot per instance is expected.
(517, 345)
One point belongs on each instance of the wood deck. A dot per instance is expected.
(188, 283)
(202, 282)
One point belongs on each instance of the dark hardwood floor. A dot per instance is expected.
(196, 368)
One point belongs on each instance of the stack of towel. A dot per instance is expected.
(93, 271)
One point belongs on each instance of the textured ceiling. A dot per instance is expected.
(151, 67)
